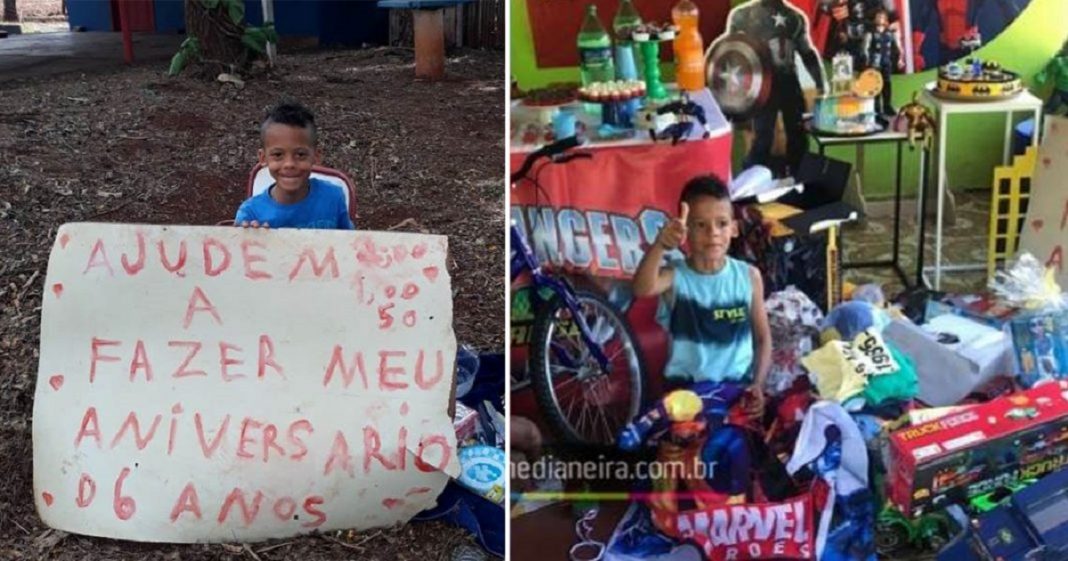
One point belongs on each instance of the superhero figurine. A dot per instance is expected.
(673, 120)
(1057, 73)
(921, 125)
(855, 29)
(711, 461)
(1042, 345)
(883, 53)
(957, 23)
(841, 24)
(784, 30)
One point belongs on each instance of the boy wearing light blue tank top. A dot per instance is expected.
(720, 338)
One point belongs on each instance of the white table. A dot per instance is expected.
(858, 142)
(1024, 101)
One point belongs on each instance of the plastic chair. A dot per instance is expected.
(259, 179)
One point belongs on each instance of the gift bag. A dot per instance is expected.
(793, 259)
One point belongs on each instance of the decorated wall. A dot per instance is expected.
(975, 142)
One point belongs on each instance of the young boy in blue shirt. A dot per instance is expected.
(720, 338)
(295, 200)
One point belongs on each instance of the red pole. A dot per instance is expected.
(127, 37)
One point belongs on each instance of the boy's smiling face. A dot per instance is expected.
(289, 154)
(710, 227)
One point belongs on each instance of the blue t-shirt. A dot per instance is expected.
(710, 324)
(323, 209)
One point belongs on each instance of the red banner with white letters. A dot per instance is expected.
(785, 530)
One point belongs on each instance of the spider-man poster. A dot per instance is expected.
(946, 30)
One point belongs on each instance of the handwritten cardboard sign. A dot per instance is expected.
(1045, 232)
(221, 384)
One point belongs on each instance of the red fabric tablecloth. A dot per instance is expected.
(594, 218)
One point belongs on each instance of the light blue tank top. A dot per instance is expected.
(709, 321)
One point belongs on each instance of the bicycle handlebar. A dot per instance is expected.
(547, 151)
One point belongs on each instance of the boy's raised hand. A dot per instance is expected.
(674, 233)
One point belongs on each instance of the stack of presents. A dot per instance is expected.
(937, 425)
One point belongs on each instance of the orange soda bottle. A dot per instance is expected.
(689, 47)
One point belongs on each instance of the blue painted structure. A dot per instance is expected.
(334, 23)
(93, 15)
(170, 16)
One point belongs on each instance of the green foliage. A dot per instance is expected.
(187, 50)
(236, 9)
(256, 38)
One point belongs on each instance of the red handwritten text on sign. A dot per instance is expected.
(1047, 213)
(202, 384)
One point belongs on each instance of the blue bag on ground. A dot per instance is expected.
(459, 506)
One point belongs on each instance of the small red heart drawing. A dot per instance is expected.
(1037, 224)
(419, 251)
(48, 499)
(56, 382)
(57, 289)
(63, 240)
(392, 503)
(431, 273)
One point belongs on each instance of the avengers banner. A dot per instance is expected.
(593, 218)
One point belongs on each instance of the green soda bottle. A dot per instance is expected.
(626, 21)
(595, 50)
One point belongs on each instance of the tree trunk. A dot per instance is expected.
(219, 38)
(11, 11)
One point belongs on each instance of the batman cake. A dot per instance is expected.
(976, 80)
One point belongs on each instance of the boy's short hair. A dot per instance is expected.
(704, 186)
(292, 114)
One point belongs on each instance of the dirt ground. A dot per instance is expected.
(136, 146)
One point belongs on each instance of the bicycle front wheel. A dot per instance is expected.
(581, 402)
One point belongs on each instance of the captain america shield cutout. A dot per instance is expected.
(738, 73)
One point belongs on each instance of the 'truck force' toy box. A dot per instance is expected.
(967, 453)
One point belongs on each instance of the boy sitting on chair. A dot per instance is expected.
(295, 200)
(720, 338)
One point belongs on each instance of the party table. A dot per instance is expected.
(593, 218)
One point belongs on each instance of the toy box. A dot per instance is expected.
(1030, 525)
(959, 456)
(1041, 344)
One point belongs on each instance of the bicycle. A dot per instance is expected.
(585, 365)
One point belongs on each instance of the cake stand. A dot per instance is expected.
(616, 117)
(649, 44)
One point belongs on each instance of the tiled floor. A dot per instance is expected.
(964, 242)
